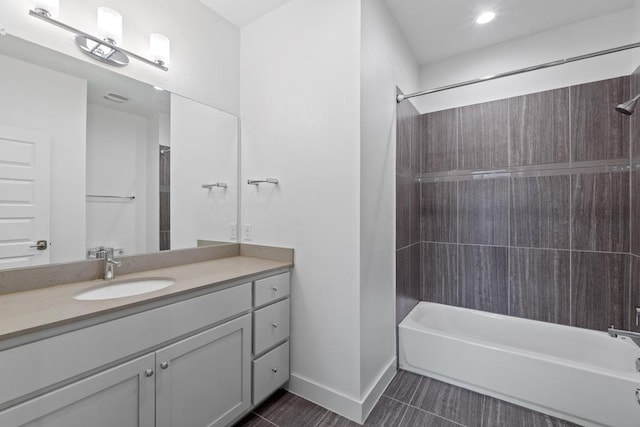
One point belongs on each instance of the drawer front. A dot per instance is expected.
(271, 325)
(270, 372)
(271, 289)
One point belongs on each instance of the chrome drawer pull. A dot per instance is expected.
(275, 370)
(164, 365)
(275, 325)
(275, 289)
(148, 373)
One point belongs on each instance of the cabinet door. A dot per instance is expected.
(205, 380)
(122, 396)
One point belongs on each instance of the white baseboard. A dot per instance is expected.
(348, 407)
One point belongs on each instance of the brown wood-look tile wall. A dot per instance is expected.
(555, 247)
(600, 212)
(439, 264)
(482, 278)
(539, 128)
(439, 212)
(600, 290)
(539, 283)
(539, 212)
(408, 218)
(484, 212)
(598, 132)
(439, 137)
(484, 138)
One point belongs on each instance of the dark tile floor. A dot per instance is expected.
(409, 401)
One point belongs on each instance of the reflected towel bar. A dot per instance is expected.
(217, 184)
(263, 181)
(112, 197)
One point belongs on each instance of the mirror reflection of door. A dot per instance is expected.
(24, 197)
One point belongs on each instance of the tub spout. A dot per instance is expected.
(634, 336)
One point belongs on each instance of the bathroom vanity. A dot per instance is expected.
(201, 352)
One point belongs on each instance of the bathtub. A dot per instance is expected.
(576, 374)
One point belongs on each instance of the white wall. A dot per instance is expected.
(205, 48)
(204, 150)
(584, 37)
(53, 103)
(387, 62)
(301, 124)
(116, 165)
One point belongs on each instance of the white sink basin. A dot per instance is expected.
(124, 288)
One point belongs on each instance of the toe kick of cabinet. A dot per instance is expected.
(270, 372)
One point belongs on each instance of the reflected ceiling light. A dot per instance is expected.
(485, 17)
(48, 7)
(109, 25)
(105, 47)
(160, 48)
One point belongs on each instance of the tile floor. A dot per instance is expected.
(410, 400)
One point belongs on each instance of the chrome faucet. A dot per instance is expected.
(110, 264)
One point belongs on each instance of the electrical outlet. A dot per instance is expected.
(247, 232)
(233, 231)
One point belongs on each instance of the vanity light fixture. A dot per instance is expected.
(485, 17)
(105, 47)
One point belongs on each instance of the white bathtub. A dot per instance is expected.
(576, 374)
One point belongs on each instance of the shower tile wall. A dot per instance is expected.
(165, 198)
(635, 206)
(525, 206)
(408, 244)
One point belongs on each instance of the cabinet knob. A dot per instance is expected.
(164, 365)
(148, 373)
(275, 289)
(275, 325)
(275, 370)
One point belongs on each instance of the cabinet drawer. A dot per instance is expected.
(271, 325)
(271, 289)
(270, 372)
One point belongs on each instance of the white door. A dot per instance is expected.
(24, 197)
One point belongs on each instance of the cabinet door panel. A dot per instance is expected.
(122, 396)
(205, 380)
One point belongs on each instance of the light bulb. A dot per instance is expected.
(485, 17)
(160, 49)
(50, 7)
(109, 25)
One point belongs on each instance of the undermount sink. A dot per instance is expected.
(124, 288)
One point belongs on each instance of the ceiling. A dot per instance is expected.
(438, 29)
(242, 12)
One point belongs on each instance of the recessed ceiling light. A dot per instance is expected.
(485, 17)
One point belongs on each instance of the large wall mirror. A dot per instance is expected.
(90, 158)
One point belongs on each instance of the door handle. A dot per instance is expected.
(40, 245)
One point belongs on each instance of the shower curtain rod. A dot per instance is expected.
(401, 98)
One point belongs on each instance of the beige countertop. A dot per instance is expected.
(39, 309)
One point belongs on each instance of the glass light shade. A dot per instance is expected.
(109, 25)
(160, 48)
(51, 6)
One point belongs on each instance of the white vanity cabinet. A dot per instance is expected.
(216, 364)
(121, 396)
(270, 335)
(200, 362)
